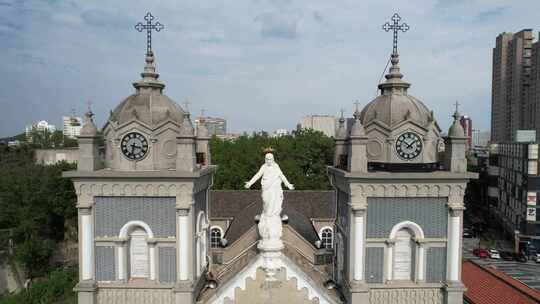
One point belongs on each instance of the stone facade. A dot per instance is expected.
(399, 201)
(143, 208)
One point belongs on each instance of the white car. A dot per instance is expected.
(494, 254)
(536, 257)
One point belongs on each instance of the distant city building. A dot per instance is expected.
(515, 85)
(215, 125)
(513, 188)
(466, 123)
(71, 126)
(480, 138)
(280, 132)
(53, 156)
(14, 143)
(323, 123)
(39, 126)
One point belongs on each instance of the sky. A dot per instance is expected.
(261, 64)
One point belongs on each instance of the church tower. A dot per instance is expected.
(143, 203)
(399, 201)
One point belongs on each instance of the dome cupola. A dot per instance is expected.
(401, 130)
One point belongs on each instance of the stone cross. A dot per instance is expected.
(149, 27)
(186, 105)
(456, 104)
(396, 27)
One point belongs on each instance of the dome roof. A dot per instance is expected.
(148, 104)
(151, 109)
(394, 108)
(394, 105)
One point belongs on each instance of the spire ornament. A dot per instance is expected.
(149, 26)
(395, 27)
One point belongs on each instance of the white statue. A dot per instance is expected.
(270, 228)
(272, 177)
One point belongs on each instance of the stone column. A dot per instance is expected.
(121, 253)
(358, 288)
(389, 259)
(454, 245)
(183, 244)
(359, 244)
(86, 243)
(86, 288)
(420, 276)
(152, 257)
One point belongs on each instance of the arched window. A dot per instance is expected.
(327, 237)
(405, 257)
(215, 237)
(138, 254)
(137, 259)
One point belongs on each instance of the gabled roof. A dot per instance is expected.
(299, 206)
(486, 285)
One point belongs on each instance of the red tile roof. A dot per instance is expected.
(486, 285)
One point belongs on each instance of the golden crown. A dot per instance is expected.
(268, 150)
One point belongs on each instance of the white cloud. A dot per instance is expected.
(62, 53)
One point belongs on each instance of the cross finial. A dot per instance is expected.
(89, 114)
(456, 113)
(456, 104)
(356, 103)
(149, 27)
(396, 27)
(357, 111)
(186, 105)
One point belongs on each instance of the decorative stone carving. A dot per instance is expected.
(402, 296)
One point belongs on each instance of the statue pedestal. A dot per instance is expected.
(271, 258)
(270, 245)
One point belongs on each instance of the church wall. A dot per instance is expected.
(384, 213)
(112, 213)
(374, 264)
(436, 264)
(167, 264)
(105, 265)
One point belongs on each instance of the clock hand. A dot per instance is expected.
(134, 146)
(409, 145)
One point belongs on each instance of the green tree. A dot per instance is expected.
(302, 156)
(35, 201)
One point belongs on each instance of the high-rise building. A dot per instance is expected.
(40, 126)
(535, 85)
(71, 126)
(323, 123)
(513, 190)
(511, 106)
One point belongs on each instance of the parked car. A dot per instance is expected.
(520, 257)
(507, 256)
(494, 254)
(481, 253)
(467, 233)
(536, 258)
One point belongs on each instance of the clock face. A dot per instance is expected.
(134, 146)
(408, 146)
